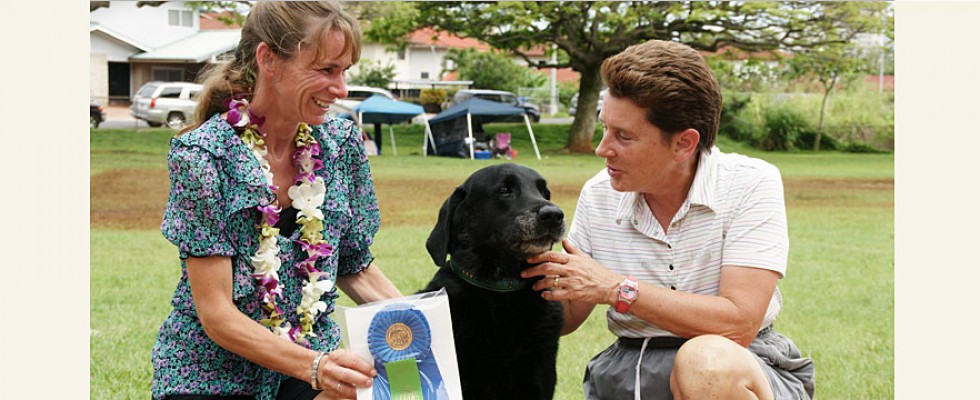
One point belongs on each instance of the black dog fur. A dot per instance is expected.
(506, 342)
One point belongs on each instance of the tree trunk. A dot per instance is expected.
(583, 126)
(823, 107)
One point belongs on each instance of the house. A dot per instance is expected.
(419, 65)
(132, 44)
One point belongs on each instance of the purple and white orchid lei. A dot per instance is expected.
(307, 193)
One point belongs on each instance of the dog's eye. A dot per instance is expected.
(504, 190)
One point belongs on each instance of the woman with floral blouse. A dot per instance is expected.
(272, 209)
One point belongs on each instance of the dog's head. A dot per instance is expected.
(503, 209)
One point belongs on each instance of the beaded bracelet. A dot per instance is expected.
(316, 367)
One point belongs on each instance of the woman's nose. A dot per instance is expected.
(603, 150)
(339, 88)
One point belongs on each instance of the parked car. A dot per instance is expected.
(574, 106)
(344, 108)
(499, 96)
(96, 114)
(170, 103)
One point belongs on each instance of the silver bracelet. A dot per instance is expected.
(316, 367)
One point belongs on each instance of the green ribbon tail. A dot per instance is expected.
(403, 380)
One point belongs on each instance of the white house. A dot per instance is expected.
(131, 45)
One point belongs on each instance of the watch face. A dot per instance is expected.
(627, 292)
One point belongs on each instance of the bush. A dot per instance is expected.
(782, 127)
(373, 74)
(731, 124)
(433, 96)
(860, 148)
(827, 142)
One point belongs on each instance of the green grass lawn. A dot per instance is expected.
(838, 292)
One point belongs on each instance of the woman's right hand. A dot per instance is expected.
(341, 373)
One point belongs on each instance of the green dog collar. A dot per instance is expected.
(502, 285)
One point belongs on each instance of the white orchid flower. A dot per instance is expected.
(308, 197)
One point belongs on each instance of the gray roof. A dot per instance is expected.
(197, 48)
(96, 27)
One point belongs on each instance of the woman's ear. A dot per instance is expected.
(266, 59)
(686, 143)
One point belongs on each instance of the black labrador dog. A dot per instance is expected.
(506, 335)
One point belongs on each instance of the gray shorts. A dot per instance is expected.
(611, 374)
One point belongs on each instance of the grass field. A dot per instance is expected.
(839, 289)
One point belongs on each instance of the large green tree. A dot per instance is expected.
(586, 33)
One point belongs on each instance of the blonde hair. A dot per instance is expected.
(286, 27)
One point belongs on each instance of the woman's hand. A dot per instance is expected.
(573, 276)
(341, 373)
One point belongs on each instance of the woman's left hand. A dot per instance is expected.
(340, 374)
(573, 276)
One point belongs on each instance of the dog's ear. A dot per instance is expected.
(438, 242)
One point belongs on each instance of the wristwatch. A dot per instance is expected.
(629, 290)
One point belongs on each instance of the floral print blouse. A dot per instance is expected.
(215, 186)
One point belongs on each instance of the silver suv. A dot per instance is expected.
(344, 107)
(498, 96)
(598, 107)
(171, 103)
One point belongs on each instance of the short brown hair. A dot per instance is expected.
(286, 27)
(673, 82)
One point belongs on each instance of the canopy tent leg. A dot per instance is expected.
(469, 133)
(391, 133)
(428, 134)
(533, 142)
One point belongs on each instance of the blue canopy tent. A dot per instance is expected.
(379, 109)
(449, 127)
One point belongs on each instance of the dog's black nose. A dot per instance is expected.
(550, 214)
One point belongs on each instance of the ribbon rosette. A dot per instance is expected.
(400, 340)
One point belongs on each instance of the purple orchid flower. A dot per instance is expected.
(270, 214)
(322, 249)
(294, 332)
(237, 105)
(317, 164)
(307, 267)
(314, 147)
(305, 177)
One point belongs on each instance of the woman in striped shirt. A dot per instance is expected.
(684, 242)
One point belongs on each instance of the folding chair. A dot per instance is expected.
(501, 146)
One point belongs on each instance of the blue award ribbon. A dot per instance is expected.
(400, 340)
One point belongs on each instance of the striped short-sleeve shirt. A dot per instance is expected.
(734, 215)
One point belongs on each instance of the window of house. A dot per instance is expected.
(180, 18)
(168, 74)
(401, 54)
(425, 75)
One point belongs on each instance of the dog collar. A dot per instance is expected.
(501, 285)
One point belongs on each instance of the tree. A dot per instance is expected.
(372, 73)
(490, 70)
(840, 58)
(586, 33)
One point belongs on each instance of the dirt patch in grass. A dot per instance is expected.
(134, 199)
(128, 199)
(417, 201)
(824, 192)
